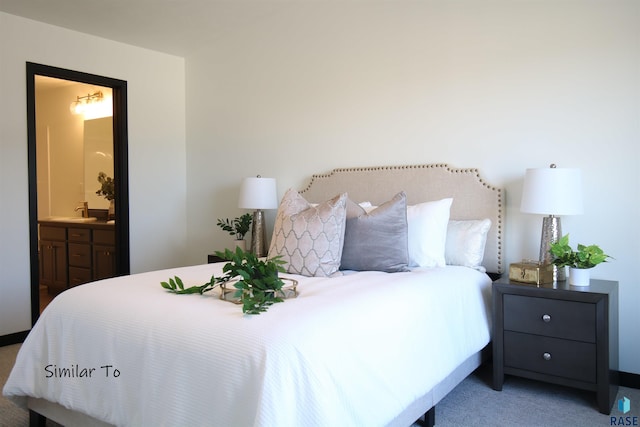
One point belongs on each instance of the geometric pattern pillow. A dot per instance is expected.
(309, 238)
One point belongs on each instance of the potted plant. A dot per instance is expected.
(238, 228)
(579, 261)
(108, 191)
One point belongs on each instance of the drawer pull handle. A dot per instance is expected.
(546, 356)
(546, 318)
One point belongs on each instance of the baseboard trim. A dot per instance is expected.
(627, 379)
(15, 338)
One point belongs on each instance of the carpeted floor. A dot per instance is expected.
(473, 403)
(10, 415)
(526, 403)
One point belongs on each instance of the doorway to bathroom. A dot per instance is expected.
(78, 180)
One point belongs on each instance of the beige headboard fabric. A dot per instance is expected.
(473, 198)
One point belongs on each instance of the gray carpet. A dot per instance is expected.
(10, 415)
(525, 403)
(473, 403)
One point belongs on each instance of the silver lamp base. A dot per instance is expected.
(258, 234)
(551, 233)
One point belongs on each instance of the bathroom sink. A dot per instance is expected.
(71, 219)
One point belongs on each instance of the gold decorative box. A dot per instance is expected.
(531, 272)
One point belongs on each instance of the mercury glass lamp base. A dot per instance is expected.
(551, 233)
(258, 234)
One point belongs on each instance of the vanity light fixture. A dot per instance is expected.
(552, 191)
(81, 104)
(258, 193)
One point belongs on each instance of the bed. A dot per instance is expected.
(356, 347)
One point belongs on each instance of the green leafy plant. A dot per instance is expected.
(176, 286)
(238, 226)
(582, 257)
(107, 186)
(259, 285)
(256, 281)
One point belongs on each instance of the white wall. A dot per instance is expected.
(156, 103)
(500, 85)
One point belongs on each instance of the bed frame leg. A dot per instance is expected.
(36, 420)
(428, 419)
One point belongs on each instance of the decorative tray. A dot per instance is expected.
(289, 290)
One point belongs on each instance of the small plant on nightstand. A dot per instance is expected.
(583, 258)
(238, 227)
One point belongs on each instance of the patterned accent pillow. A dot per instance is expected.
(376, 240)
(309, 238)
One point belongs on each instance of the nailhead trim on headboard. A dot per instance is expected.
(496, 196)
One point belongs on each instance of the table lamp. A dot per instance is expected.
(258, 193)
(552, 191)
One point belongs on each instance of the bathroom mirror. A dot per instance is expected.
(98, 157)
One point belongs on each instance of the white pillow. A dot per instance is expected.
(466, 241)
(309, 238)
(427, 233)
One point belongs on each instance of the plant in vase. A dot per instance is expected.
(237, 227)
(108, 191)
(579, 261)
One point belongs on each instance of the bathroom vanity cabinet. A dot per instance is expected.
(53, 258)
(75, 253)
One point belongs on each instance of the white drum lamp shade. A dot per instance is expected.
(258, 193)
(552, 191)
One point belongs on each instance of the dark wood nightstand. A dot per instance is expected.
(559, 334)
(211, 258)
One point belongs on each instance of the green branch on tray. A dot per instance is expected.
(256, 281)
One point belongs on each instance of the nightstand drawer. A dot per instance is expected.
(552, 356)
(550, 317)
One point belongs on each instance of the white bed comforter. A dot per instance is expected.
(350, 350)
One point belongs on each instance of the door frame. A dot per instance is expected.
(120, 167)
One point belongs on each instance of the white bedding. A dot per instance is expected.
(350, 350)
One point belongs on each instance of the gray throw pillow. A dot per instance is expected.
(376, 241)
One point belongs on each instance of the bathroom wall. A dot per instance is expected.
(63, 180)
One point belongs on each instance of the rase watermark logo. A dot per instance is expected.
(624, 406)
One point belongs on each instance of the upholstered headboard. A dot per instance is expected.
(473, 198)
